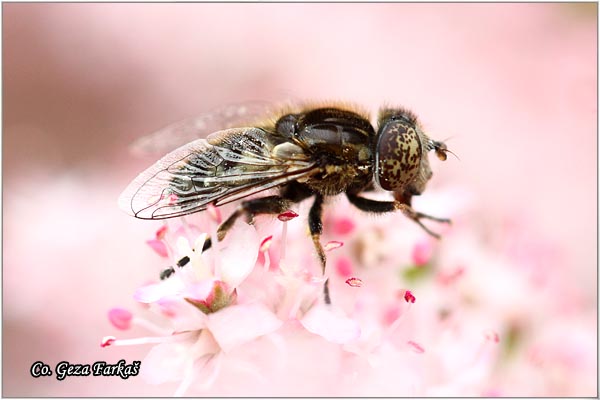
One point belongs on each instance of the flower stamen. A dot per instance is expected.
(354, 282)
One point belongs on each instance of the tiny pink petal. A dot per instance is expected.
(343, 266)
(239, 324)
(416, 347)
(343, 226)
(354, 282)
(287, 215)
(158, 246)
(120, 318)
(334, 244)
(422, 252)
(333, 326)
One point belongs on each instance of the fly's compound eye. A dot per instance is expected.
(397, 155)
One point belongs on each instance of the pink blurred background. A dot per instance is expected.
(514, 85)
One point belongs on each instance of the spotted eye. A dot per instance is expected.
(398, 154)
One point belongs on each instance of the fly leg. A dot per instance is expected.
(315, 225)
(377, 206)
(250, 208)
(417, 216)
(290, 194)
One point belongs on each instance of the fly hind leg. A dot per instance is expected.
(250, 208)
(290, 194)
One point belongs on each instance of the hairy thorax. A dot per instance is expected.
(335, 179)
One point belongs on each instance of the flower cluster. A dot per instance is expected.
(411, 316)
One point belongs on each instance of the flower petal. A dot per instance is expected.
(239, 324)
(120, 318)
(182, 315)
(183, 246)
(332, 325)
(166, 362)
(159, 247)
(199, 290)
(237, 260)
(156, 291)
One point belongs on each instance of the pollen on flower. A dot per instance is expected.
(266, 243)
(120, 318)
(354, 282)
(334, 244)
(409, 297)
(107, 341)
(287, 215)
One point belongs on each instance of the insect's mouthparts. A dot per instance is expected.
(441, 150)
(443, 156)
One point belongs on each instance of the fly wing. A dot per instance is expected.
(224, 167)
(188, 130)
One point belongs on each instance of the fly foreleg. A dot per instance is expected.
(376, 206)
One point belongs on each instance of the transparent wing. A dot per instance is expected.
(188, 130)
(224, 167)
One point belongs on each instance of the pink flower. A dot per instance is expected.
(223, 317)
(199, 301)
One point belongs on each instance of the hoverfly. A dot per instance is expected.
(310, 152)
